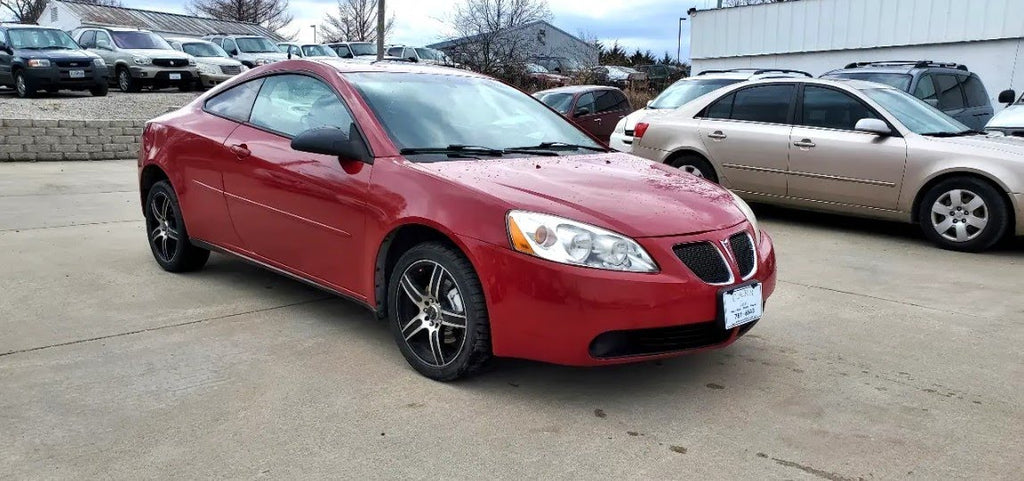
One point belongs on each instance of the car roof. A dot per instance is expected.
(839, 82)
(902, 67)
(345, 66)
(118, 29)
(186, 40)
(575, 89)
(24, 25)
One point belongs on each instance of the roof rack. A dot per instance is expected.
(914, 63)
(756, 71)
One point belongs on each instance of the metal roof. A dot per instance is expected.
(163, 22)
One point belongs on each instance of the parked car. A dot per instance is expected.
(559, 65)
(307, 50)
(34, 58)
(212, 62)
(949, 87)
(1009, 121)
(617, 76)
(685, 90)
(660, 76)
(849, 147)
(530, 223)
(139, 58)
(366, 50)
(596, 108)
(252, 51)
(542, 78)
(425, 55)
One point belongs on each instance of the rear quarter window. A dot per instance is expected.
(975, 91)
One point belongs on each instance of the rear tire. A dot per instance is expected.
(695, 165)
(165, 228)
(437, 313)
(964, 214)
(100, 90)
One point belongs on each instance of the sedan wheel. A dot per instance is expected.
(437, 313)
(695, 165)
(691, 169)
(959, 215)
(168, 238)
(965, 214)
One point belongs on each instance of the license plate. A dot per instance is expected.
(174, 76)
(77, 73)
(742, 305)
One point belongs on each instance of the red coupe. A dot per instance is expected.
(473, 218)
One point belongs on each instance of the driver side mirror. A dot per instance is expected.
(580, 112)
(873, 126)
(1007, 96)
(333, 141)
(233, 52)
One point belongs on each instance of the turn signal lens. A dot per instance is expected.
(518, 239)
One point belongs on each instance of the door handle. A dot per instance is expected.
(598, 120)
(240, 150)
(804, 144)
(717, 135)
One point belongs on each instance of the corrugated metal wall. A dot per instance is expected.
(820, 25)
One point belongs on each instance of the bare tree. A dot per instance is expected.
(272, 14)
(356, 21)
(483, 32)
(28, 11)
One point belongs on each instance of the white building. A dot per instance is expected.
(821, 35)
(533, 39)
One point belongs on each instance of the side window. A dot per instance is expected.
(343, 51)
(767, 103)
(722, 109)
(88, 39)
(951, 96)
(235, 103)
(977, 96)
(229, 46)
(103, 38)
(586, 101)
(395, 51)
(292, 104)
(832, 109)
(609, 101)
(925, 89)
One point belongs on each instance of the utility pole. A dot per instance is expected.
(380, 29)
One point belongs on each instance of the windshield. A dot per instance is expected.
(256, 45)
(318, 51)
(914, 113)
(203, 50)
(40, 39)
(140, 40)
(426, 54)
(684, 91)
(429, 111)
(559, 101)
(363, 48)
(897, 80)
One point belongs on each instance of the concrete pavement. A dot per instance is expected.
(880, 357)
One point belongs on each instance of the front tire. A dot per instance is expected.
(100, 90)
(437, 313)
(964, 214)
(126, 83)
(165, 229)
(695, 165)
(22, 86)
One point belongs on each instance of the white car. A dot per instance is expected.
(1010, 121)
(686, 90)
(307, 50)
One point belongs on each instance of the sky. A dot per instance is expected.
(644, 24)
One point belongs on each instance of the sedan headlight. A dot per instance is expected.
(143, 60)
(191, 62)
(99, 62)
(39, 63)
(575, 243)
(749, 213)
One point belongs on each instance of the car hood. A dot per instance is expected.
(997, 143)
(267, 55)
(56, 54)
(626, 194)
(218, 61)
(1010, 117)
(157, 53)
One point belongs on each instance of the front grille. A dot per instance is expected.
(705, 261)
(640, 342)
(743, 250)
(77, 64)
(230, 69)
(170, 62)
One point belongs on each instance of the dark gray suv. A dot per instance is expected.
(949, 87)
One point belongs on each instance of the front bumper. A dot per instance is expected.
(551, 312)
(55, 77)
(212, 80)
(162, 75)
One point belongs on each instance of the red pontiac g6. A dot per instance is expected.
(474, 219)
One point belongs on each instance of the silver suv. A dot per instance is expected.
(138, 58)
(253, 51)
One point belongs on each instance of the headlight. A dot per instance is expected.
(263, 61)
(143, 60)
(39, 62)
(575, 243)
(99, 62)
(749, 213)
(191, 62)
(207, 69)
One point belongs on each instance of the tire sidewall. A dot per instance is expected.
(704, 166)
(998, 213)
(177, 260)
(450, 261)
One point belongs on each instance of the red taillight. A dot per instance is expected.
(638, 132)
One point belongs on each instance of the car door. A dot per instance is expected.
(746, 133)
(105, 49)
(585, 115)
(6, 60)
(298, 211)
(831, 162)
(979, 107)
(610, 107)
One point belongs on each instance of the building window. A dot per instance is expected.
(53, 14)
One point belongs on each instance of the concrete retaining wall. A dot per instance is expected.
(40, 140)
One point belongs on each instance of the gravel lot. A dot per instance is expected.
(82, 106)
(880, 357)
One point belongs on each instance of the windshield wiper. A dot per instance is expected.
(454, 149)
(558, 146)
(953, 134)
(60, 47)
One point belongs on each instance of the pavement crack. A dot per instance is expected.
(877, 298)
(26, 229)
(159, 328)
(815, 471)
